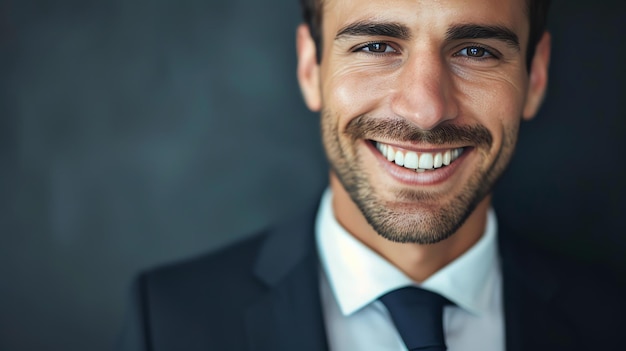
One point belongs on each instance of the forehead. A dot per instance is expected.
(431, 14)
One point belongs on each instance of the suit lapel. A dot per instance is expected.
(530, 288)
(289, 315)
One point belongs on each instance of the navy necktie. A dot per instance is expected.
(418, 317)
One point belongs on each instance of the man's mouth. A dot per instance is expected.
(419, 161)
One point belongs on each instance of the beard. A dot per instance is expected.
(415, 216)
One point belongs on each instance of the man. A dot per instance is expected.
(420, 103)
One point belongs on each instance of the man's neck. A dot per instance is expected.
(416, 261)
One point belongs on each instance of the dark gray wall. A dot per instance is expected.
(134, 133)
(138, 132)
(565, 189)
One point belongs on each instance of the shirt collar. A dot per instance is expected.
(358, 275)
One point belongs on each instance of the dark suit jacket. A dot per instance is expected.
(263, 294)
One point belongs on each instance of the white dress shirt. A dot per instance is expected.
(353, 277)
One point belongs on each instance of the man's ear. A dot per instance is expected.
(538, 78)
(308, 69)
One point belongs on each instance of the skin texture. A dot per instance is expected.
(420, 89)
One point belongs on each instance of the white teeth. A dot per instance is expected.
(410, 160)
(447, 157)
(399, 158)
(382, 148)
(419, 162)
(426, 161)
(438, 162)
(391, 155)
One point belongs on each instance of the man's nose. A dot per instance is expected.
(424, 93)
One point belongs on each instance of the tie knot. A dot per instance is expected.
(418, 317)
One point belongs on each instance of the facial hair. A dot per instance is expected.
(409, 220)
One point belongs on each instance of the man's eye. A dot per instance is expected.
(378, 48)
(475, 52)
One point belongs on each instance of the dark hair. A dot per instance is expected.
(537, 13)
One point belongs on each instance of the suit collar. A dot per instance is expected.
(531, 285)
(285, 247)
(527, 265)
(289, 315)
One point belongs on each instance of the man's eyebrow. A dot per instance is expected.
(476, 31)
(374, 29)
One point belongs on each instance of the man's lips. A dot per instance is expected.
(419, 161)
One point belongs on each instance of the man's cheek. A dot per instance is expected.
(357, 94)
(490, 102)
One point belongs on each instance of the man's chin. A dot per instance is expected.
(408, 222)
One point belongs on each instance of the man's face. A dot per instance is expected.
(421, 102)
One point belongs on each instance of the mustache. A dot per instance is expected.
(365, 127)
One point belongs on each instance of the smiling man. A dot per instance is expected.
(420, 103)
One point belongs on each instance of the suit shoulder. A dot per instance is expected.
(586, 294)
(196, 304)
(563, 297)
(567, 268)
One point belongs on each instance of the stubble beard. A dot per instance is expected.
(409, 220)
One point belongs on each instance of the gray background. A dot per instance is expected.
(137, 132)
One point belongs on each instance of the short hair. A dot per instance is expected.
(537, 13)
